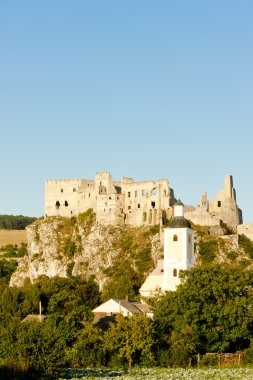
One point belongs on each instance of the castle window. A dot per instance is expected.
(219, 204)
(74, 189)
(174, 272)
(71, 212)
(164, 193)
(110, 197)
(57, 204)
(154, 191)
(153, 204)
(162, 270)
(61, 190)
(66, 204)
(144, 193)
(175, 238)
(135, 193)
(129, 194)
(89, 195)
(139, 206)
(129, 207)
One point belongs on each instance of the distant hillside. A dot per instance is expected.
(15, 222)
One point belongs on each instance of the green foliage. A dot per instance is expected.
(70, 248)
(155, 229)
(128, 271)
(15, 222)
(88, 350)
(123, 281)
(11, 250)
(131, 339)
(182, 347)
(232, 255)
(209, 361)
(40, 347)
(216, 303)
(247, 245)
(70, 268)
(6, 270)
(208, 250)
(87, 220)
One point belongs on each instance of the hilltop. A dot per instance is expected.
(119, 257)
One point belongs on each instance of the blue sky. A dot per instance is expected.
(140, 88)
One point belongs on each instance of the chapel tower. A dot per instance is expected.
(178, 248)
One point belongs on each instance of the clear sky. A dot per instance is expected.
(139, 88)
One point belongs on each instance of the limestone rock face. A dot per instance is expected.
(60, 246)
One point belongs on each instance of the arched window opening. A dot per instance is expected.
(57, 204)
(174, 272)
(219, 204)
(153, 204)
(66, 204)
(175, 238)
(154, 191)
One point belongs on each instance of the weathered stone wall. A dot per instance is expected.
(129, 202)
(246, 229)
(221, 209)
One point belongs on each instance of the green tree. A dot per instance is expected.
(131, 339)
(88, 349)
(216, 302)
(40, 347)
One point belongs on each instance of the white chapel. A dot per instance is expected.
(178, 255)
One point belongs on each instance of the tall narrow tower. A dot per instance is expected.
(178, 248)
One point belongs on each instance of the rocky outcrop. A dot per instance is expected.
(60, 246)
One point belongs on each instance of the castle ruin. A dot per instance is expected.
(136, 203)
(124, 202)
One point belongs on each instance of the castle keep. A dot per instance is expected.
(136, 203)
(127, 201)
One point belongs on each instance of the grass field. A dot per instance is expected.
(12, 237)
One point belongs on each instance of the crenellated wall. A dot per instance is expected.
(125, 201)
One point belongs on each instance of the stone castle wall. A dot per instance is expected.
(136, 203)
(221, 209)
(127, 201)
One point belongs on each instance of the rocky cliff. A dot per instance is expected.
(59, 246)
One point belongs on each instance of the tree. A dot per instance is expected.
(40, 347)
(131, 339)
(88, 349)
(216, 302)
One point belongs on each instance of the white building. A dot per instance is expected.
(126, 308)
(178, 255)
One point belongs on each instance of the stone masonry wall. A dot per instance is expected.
(129, 202)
